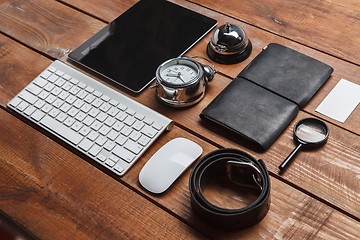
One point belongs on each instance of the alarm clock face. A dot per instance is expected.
(179, 72)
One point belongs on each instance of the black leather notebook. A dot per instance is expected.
(266, 96)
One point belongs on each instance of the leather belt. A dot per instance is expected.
(241, 169)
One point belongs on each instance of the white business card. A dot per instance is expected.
(341, 101)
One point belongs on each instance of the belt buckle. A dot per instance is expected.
(248, 174)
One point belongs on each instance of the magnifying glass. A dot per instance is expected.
(309, 132)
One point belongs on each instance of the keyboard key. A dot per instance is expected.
(40, 82)
(85, 144)
(148, 121)
(124, 154)
(109, 145)
(101, 158)
(126, 131)
(149, 131)
(129, 121)
(60, 129)
(34, 89)
(89, 89)
(39, 104)
(46, 108)
(84, 130)
(67, 86)
(112, 135)
(22, 106)
(69, 121)
(59, 73)
(157, 126)
(118, 126)
(135, 135)
(15, 102)
(96, 125)
(130, 111)
(104, 130)
(49, 87)
(82, 85)
(93, 135)
(88, 120)
(94, 151)
(53, 78)
(101, 140)
(45, 74)
(77, 125)
(143, 140)
(27, 96)
(37, 115)
(110, 163)
(74, 81)
(114, 158)
(105, 98)
(66, 77)
(138, 125)
(119, 168)
(114, 102)
(29, 110)
(61, 117)
(122, 107)
(121, 139)
(133, 147)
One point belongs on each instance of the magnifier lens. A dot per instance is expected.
(310, 132)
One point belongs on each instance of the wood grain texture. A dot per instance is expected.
(320, 24)
(14, 76)
(332, 190)
(42, 183)
(328, 172)
(36, 172)
(260, 39)
(110, 9)
(47, 26)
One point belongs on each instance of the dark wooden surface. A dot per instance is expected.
(53, 192)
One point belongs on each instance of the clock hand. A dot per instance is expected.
(172, 75)
(176, 75)
(181, 78)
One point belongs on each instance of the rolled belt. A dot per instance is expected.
(241, 169)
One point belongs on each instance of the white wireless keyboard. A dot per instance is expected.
(107, 126)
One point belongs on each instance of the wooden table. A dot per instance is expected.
(51, 191)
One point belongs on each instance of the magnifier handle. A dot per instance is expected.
(289, 159)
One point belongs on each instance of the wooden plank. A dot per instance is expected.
(332, 189)
(320, 24)
(327, 172)
(108, 11)
(17, 68)
(283, 147)
(57, 195)
(261, 38)
(47, 26)
(43, 184)
(258, 37)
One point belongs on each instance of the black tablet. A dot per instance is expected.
(130, 48)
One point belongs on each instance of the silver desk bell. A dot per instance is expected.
(229, 44)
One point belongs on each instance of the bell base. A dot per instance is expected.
(229, 59)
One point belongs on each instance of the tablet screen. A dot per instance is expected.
(129, 49)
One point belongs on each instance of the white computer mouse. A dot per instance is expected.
(168, 163)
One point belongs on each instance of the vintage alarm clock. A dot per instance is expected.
(182, 81)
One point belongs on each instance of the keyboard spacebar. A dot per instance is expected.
(62, 130)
